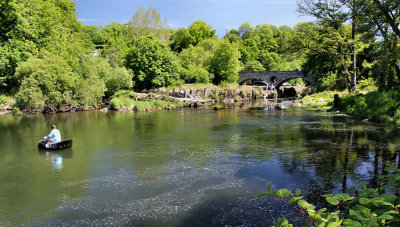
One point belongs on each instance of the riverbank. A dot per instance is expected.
(157, 99)
(185, 96)
(375, 106)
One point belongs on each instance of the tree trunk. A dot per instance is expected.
(353, 83)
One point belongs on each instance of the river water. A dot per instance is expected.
(185, 167)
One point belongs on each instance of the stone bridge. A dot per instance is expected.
(276, 78)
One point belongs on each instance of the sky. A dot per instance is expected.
(222, 15)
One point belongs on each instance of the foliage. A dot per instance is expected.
(4, 99)
(122, 99)
(36, 28)
(367, 207)
(377, 106)
(152, 62)
(196, 33)
(120, 78)
(52, 75)
(193, 63)
(321, 100)
(142, 106)
(253, 65)
(30, 96)
(225, 64)
(148, 22)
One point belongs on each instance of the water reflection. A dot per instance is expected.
(56, 157)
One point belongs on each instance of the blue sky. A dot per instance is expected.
(222, 15)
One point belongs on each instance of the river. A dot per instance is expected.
(185, 167)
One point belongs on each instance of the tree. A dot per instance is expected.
(148, 22)
(225, 64)
(152, 62)
(181, 39)
(194, 62)
(53, 77)
(200, 31)
(196, 33)
(377, 22)
(334, 37)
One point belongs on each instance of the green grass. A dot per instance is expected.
(4, 99)
(380, 106)
(377, 106)
(142, 106)
(121, 102)
(322, 100)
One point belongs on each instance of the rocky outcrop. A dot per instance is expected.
(216, 94)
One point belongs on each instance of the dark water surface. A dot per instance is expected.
(186, 167)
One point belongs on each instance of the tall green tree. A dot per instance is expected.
(149, 22)
(196, 33)
(152, 62)
(334, 38)
(225, 64)
(379, 21)
(194, 65)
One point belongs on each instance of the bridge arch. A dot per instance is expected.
(276, 78)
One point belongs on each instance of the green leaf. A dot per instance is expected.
(294, 199)
(391, 212)
(260, 194)
(351, 223)
(364, 201)
(380, 201)
(283, 193)
(327, 195)
(269, 187)
(389, 197)
(332, 201)
(282, 222)
(297, 192)
(385, 217)
(322, 210)
(342, 196)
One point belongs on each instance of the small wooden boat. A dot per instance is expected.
(55, 146)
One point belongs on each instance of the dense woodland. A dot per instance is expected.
(48, 58)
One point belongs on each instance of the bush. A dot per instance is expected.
(30, 96)
(152, 62)
(120, 78)
(142, 106)
(16, 112)
(4, 99)
(116, 103)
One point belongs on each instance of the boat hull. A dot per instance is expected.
(55, 146)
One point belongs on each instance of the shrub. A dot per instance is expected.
(116, 103)
(142, 106)
(120, 78)
(4, 99)
(30, 96)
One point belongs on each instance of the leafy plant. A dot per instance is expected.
(366, 207)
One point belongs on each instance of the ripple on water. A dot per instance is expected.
(111, 199)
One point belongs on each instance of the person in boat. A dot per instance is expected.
(54, 136)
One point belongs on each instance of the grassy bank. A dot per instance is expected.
(128, 100)
(377, 106)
